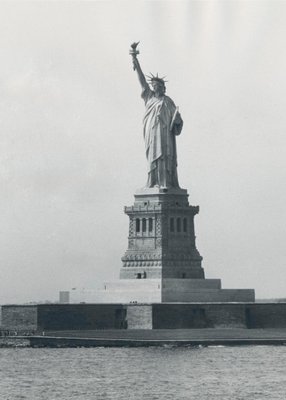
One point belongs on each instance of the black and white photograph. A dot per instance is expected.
(143, 192)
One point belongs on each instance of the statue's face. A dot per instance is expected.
(159, 88)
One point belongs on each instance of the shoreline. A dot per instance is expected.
(149, 338)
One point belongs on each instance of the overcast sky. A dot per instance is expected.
(72, 152)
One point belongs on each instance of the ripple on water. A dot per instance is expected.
(202, 373)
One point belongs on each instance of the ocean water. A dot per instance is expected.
(203, 373)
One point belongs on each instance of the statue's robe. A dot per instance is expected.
(160, 139)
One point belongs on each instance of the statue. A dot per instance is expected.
(162, 123)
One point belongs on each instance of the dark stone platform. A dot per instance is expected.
(128, 317)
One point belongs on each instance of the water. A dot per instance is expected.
(210, 373)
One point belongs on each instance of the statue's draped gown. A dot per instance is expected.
(160, 141)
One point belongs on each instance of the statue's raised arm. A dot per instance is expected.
(136, 65)
(161, 124)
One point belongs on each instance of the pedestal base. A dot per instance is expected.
(162, 291)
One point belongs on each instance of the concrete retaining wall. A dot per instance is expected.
(225, 315)
(178, 316)
(81, 316)
(190, 316)
(19, 318)
(143, 316)
(139, 316)
(266, 315)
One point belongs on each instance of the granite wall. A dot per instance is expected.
(190, 316)
(81, 316)
(178, 316)
(266, 315)
(139, 316)
(20, 318)
(54, 317)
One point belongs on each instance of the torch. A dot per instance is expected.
(133, 51)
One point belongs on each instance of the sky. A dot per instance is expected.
(71, 146)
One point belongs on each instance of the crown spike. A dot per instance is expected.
(152, 77)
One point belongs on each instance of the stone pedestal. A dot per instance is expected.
(161, 242)
(162, 263)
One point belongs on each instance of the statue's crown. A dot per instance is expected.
(152, 78)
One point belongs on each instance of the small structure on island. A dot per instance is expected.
(161, 263)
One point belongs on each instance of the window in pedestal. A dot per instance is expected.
(137, 225)
(150, 224)
(178, 224)
(185, 225)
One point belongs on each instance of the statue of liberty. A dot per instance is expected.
(161, 123)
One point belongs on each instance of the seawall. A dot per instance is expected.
(84, 317)
(146, 338)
